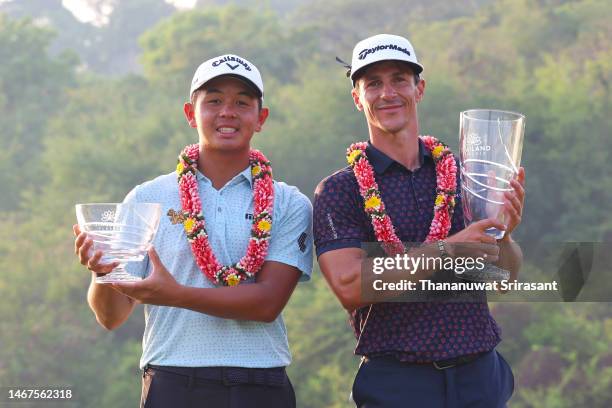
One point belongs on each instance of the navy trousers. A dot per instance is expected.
(166, 390)
(385, 382)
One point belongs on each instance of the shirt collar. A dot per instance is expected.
(381, 162)
(246, 174)
(243, 175)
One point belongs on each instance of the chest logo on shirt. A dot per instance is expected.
(176, 217)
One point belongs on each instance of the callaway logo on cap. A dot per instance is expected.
(383, 47)
(228, 64)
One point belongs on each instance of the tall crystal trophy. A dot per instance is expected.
(123, 232)
(490, 143)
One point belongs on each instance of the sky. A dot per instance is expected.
(84, 13)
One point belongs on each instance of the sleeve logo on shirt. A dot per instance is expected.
(330, 223)
(302, 241)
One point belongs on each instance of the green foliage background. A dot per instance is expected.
(87, 112)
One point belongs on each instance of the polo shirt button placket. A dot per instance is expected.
(219, 205)
(217, 202)
(222, 214)
(417, 199)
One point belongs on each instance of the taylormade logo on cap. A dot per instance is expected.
(228, 64)
(383, 47)
(367, 51)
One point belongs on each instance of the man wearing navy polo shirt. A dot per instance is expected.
(415, 354)
(226, 259)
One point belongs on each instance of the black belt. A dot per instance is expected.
(229, 376)
(440, 364)
(456, 361)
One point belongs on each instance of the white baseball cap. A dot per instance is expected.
(383, 47)
(227, 64)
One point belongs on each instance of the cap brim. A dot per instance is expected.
(246, 81)
(355, 75)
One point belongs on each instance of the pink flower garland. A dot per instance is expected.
(446, 178)
(263, 198)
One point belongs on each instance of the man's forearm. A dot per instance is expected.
(110, 307)
(243, 302)
(362, 276)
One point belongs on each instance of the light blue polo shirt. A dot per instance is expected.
(185, 338)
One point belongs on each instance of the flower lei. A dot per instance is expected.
(446, 177)
(263, 198)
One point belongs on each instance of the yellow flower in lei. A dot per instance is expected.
(188, 224)
(233, 280)
(372, 202)
(354, 154)
(255, 170)
(264, 225)
(180, 168)
(437, 151)
(439, 200)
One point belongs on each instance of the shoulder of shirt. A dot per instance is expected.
(151, 188)
(343, 178)
(290, 197)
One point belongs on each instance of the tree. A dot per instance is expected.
(114, 50)
(32, 87)
(176, 47)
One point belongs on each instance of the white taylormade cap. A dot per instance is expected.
(383, 47)
(227, 64)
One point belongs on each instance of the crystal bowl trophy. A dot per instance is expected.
(123, 232)
(490, 144)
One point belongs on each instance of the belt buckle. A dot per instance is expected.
(439, 365)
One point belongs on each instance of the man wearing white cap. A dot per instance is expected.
(226, 259)
(402, 187)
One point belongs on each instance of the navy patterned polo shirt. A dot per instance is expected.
(409, 331)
